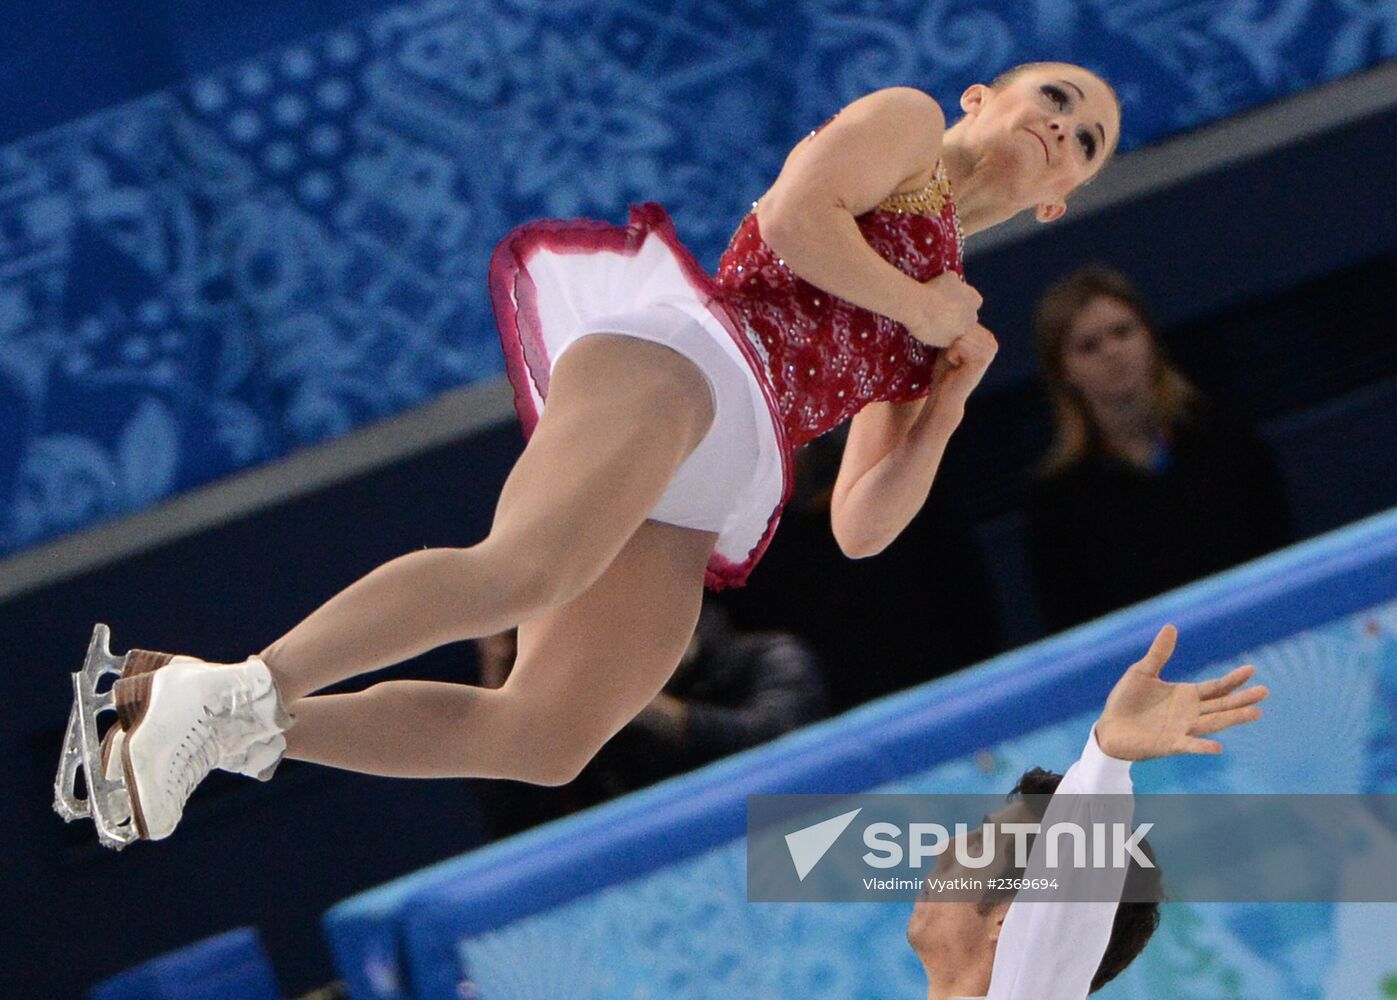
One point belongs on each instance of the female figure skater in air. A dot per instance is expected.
(675, 402)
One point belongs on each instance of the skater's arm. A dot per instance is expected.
(873, 147)
(889, 463)
(1052, 950)
(894, 451)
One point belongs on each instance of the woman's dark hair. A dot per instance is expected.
(1135, 921)
(1075, 432)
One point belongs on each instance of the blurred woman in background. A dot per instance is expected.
(1147, 485)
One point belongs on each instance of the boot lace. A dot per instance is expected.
(196, 755)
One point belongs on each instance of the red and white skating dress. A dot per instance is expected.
(786, 361)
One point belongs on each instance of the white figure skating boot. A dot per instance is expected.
(258, 761)
(181, 719)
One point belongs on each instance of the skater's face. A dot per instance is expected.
(1108, 353)
(1041, 134)
(956, 940)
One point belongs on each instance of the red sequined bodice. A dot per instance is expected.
(827, 357)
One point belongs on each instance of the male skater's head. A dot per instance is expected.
(956, 941)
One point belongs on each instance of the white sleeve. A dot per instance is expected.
(1051, 950)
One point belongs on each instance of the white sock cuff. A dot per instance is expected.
(264, 700)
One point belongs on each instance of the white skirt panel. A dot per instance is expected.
(552, 293)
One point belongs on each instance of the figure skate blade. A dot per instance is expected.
(107, 803)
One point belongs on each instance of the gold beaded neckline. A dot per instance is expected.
(927, 200)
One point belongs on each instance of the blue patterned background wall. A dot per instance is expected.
(270, 255)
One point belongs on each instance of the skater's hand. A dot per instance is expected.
(1146, 717)
(960, 367)
(943, 309)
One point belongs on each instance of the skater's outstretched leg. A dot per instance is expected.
(584, 669)
(622, 415)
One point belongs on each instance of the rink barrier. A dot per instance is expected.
(403, 940)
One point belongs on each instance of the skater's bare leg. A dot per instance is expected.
(622, 415)
(584, 669)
